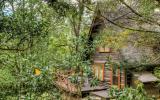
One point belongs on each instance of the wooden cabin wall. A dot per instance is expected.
(118, 77)
(100, 59)
(123, 78)
(107, 75)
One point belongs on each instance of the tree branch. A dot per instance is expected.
(121, 26)
(134, 11)
(15, 49)
(138, 14)
(124, 27)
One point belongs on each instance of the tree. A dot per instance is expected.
(24, 37)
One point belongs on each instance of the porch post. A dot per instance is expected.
(103, 71)
(119, 78)
(111, 75)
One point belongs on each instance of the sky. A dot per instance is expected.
(8, 9)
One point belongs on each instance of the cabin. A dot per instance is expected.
(113, 74)
(106, 64)
(104, 70)
(117, 74)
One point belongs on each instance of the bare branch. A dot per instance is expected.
(134, 11)
(138, 14)
(15, 49)
(122, 16)
(124, 27)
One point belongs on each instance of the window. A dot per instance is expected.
(99, 71)
(104, 49)
(115, 77)
(118, 77)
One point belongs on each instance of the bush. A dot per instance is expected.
(7, 83)
(157, 72)
(129, 93)
(6, 78)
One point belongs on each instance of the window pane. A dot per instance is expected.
(97, 71)
(101, 73)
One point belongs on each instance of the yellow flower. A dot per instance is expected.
(37, 72)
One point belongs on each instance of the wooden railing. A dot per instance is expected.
(64, 83)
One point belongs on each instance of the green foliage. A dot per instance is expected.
(24, 44)
(157, 72)
(53, 94)
(129, 93)
(74, 79)
(62, 7)
(146, 7)
(34, 36)
(8, 83)
(25, 25)
(114, 40)
(6, 78)
(94, 82)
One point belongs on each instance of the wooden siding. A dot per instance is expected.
(102, 56)
(123, 78)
